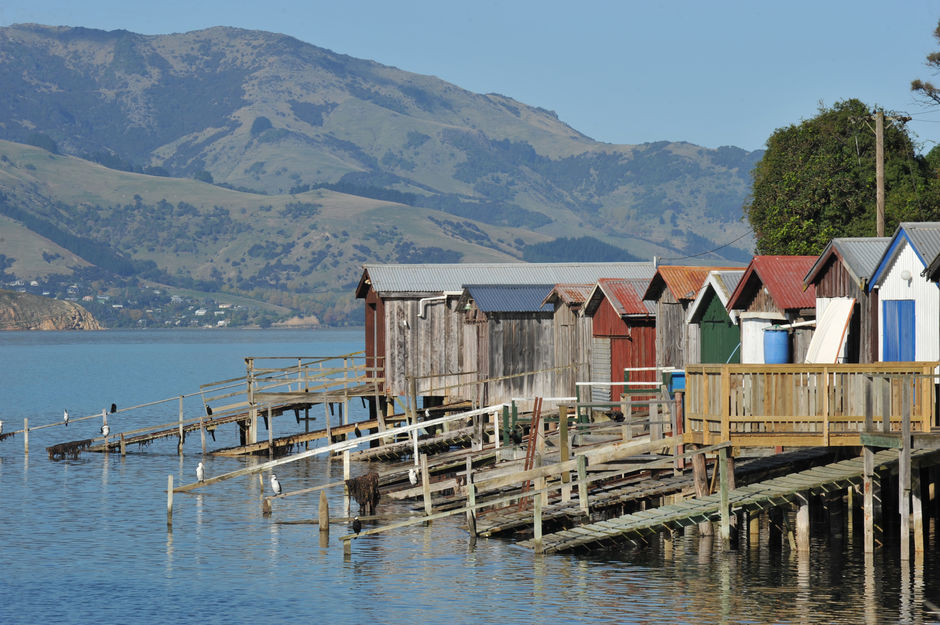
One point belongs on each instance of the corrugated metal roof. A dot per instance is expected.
(570, 294)
(783, 278)
(625, 296)
(387, 279)
(723, 282)
(682, 281)
(859, 255)
(924, 239)
(491, 298)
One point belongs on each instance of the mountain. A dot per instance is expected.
(252, 163)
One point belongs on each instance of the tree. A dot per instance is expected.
(816, 181)
(926, 89)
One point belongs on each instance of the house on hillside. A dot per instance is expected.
(718, 328)
(771, 293)
(844, 306)
(510, 334)
(572, 334)
(414, 328)
(624, 334)
(908, 299)
(673, 289)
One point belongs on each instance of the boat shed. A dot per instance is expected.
(572, 334)
(512, 335)
(718, 327)
(908, 301)
(771, 293)
(624, 334)
(673, 289)
(414, 330)
(841, 274)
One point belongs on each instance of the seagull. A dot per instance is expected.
(412, 477)
(105, 430)
(200, 473)
(275, 485)
(357, 525)
(65, 417)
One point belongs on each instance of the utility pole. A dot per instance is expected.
(880, 168)
(880, 173)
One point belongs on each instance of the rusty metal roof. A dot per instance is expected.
(782, 276)
(682, 281)
(571, 294)
(432, 279)
(624, 295)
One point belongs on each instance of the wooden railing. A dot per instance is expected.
(805, 405)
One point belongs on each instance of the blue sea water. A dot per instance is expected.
(86, 541)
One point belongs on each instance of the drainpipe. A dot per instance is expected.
(422, 303)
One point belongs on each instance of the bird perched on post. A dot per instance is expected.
(357, 431)
(208, 410)
(357, 525)
(413, 477)
(200, 473)
(275, 485)
(113, 408)
(1, 427)
(105, 430)
(65, 417)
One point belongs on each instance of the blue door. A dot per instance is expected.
(898, 337)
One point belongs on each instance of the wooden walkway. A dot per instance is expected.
(770, 493)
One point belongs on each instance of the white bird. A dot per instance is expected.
(275, 485)
(105, 430)
(427, 413)
(412, 477)
(200, 472)
(1, 427)
(65, 417)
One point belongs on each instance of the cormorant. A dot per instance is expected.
(200, 473)
(357, 431)
(113, 408)
(275, 485)
(516, 436)
(208, 410)
(357, 525)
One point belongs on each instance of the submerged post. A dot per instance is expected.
(324, 513)
(471, 500)
(425, 484)
(582, 484)
(802, 523)
(179, 446)
(346, 476)
(723, 488)
(270, 434)
(26, 436)
(169, 501)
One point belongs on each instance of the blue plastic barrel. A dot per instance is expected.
(776, 346)
(677, 381)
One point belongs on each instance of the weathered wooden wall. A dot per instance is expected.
(632, 344)
(518, 343)
(671, 337)
(572, 346)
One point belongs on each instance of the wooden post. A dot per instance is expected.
(774, 528)
(868, 486)
(202, 430)
(169, 501)
(723, 489)
(582, 485)
(537, 521)
(802, 523)
(26, 437)
(700, 478)
(471, 500)
(680, 427)
(753, 538)
(326, 415)
(324, 513)
(346, 476)
(123, 446)
(565, 453)
(917, 512)
(347, 547)
(904, 471)
(270, 434)
(265, 506)
(425, 484)
(414, 441)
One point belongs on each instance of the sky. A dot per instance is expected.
(711, 73)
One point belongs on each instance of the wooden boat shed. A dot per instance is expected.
(623, 333)
(771, 293)
(908, 301)
(840, 275)
(673, 289)
(717, 326)
(415, 331)
(572, 334)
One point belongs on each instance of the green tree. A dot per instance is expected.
(816, 181)
(925, 88)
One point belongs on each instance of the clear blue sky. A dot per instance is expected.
(708, 72)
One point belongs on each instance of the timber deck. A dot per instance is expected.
(774, 492)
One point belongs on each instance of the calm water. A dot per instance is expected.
(85, 541)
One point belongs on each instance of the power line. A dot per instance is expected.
(711, 250)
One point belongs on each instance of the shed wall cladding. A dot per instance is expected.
(927, 303)
(836, 281)
(375, 335)
(600, 368)
(670, 340)
(570, 331)
(520, 344)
